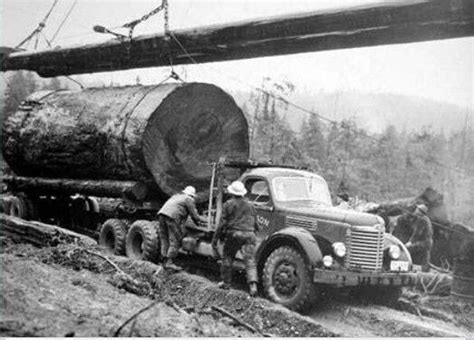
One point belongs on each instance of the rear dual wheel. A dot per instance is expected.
(112, 236)
(22, 207)
(142, 241)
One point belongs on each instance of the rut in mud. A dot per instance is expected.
(71, 290)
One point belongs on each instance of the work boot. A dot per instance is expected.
(253, 289)
(223, 285)
(168, 264)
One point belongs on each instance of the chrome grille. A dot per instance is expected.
(365, 248)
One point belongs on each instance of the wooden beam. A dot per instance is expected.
(377, 24)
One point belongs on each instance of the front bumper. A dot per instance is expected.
(347, 278)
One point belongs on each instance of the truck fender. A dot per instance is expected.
(299, 238)
(392, 240)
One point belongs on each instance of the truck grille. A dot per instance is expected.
(365, 248)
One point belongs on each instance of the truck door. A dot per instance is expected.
(258, 194)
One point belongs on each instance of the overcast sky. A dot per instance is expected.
(440, 70)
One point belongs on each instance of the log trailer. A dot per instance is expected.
(103, 161)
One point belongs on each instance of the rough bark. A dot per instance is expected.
(376, 24)
(164, 134)
(39, 234)
(104, 188)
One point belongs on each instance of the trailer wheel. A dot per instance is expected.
(31, 209)
(18, 208)
(287, 279)
(112, 236)
(142, 241)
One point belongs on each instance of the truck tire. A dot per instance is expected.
(287, 279)
(31, 209)
(112, 236)
(142, 241)
(18, 208)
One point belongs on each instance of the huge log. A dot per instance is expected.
(103, 188)
(391, 22)
(164, 134)
(39, 234)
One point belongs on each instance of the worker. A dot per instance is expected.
(421, 240)
(171, 217)
(237, 228)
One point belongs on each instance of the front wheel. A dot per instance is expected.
(287, 279)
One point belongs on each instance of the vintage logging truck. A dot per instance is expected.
(102, 161)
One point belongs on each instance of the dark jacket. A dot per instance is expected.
(422, 236)
(238, 215)
(179, 207)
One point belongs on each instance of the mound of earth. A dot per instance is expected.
(75, 290)
(69, 290)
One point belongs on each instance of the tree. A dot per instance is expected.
(313, 143)
(19, 85)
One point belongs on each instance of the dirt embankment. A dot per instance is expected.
(69, 290)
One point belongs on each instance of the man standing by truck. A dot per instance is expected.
(421, 241)
(171, 217)
(237, 227)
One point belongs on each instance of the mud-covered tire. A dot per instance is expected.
(112, 236)
(31, 209)
(18, 208)
(142, 241)
(287, 279)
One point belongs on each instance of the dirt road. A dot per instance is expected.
(71, 291)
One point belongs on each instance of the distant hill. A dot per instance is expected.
(375, 111)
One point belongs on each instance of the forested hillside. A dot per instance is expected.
(374, 166)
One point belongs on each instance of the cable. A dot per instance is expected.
(40, 27)
(64, 20)
(296, 106)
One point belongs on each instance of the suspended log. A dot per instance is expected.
(39, 234)
(103, 188)
(376, 24)
(163, 136)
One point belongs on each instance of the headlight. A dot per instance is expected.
(394, 252)
(339, 249)
(328, 261)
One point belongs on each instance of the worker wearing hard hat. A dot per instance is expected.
(421, 240)
(171, 216)
(237, 228)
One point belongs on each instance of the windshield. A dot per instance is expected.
(288, 189)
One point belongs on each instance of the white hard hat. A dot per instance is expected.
(237, 188)
(190, 191)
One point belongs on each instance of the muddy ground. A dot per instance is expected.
(69, 290)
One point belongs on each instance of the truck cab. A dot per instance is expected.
(306, 243)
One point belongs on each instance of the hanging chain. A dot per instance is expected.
(131, 25)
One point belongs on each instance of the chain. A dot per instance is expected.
(131, 25)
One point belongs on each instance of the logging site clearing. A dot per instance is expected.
(71, 290)
(177, 208)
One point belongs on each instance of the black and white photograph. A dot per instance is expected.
(237, 169)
